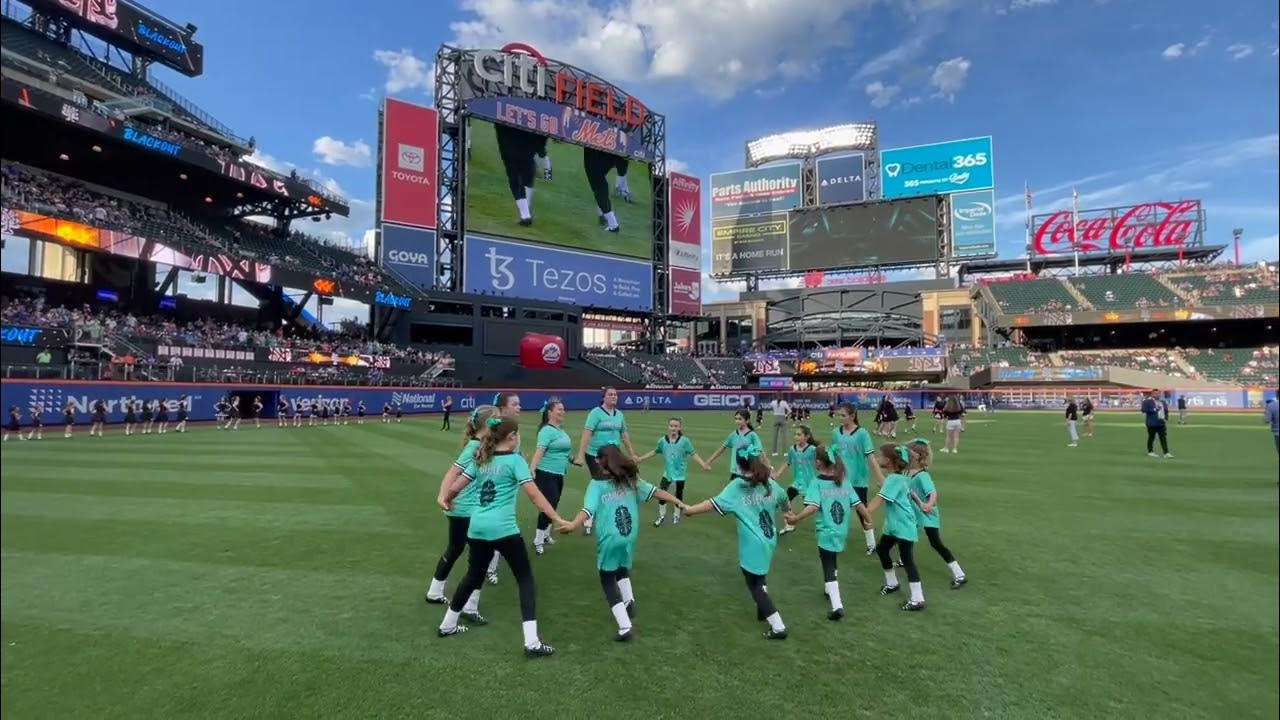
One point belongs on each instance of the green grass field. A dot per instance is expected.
(564, 212)
(280, 573)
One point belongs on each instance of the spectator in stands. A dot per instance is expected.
(44, 357)
(1156, 411)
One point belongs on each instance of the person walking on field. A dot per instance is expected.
(1156, 411)
(781, 411)
(1273, 418)
(1182, 409)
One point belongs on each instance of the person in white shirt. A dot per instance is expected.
(781, 411)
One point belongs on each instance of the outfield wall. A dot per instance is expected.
(53, 395)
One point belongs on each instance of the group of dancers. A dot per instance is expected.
(479, 492)
(140, 417)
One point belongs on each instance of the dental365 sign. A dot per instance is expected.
(937, 169)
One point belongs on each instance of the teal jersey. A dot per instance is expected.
(556, 446)
(756, 510)
(465, 503)
(899, 511)
(835, 505)
(803, 467)
(615, 514)
(740, 441)
(606, 429)
(922, 485)
(854, 448)
(675, 457)
(496, 484)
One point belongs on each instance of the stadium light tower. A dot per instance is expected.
(805, 144)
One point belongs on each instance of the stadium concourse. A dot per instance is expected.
(249, 473)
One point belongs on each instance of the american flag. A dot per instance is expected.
(1027, 189)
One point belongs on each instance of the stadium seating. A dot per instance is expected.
(1238, 366)
(725, 371)
(615, 365)
(670, 369)
(1029, 296)
(1230, 286)
(1154, 360)
(965, 360)
(1124, 292)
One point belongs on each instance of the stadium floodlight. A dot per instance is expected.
(810, 143)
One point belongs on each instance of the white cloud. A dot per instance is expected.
(671, 40)
(1017, 5)
(270, 162)
(332, 151)
(406, 71)
(1239, 51)
(949, 77)
(1174, 51)
(901, 54)
(1201, 44)
(881, 95)
(676, 165)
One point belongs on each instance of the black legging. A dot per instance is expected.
(906, 550)
(513, 551)
(621, 164)
(457, 543)
(828, 559)
(516, 148)
(597, 165)
(445, 426)
(609, 582)
(1161, 432)
(756, 586)
(551, 486)
(792, 493)
(679, 489)
(935, 541)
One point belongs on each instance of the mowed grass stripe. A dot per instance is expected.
(232, 513)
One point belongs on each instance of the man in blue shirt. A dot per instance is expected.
(1273, 417)
(1156, 411)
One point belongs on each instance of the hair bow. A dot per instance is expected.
(904, 453)
(496, 397)
(474, 415)
(494, 422)
(748, 453)
(922, 441)
(545, 405)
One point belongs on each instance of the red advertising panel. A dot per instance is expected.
(686, 218)
(686, 291)
(542, 351)
(1122, 229)
(410, 143)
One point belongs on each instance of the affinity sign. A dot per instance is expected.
(937, 169)
(510, 269)
(973, 224)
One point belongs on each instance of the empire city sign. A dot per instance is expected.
(521, 70)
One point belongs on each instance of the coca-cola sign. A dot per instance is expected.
(1157, 224)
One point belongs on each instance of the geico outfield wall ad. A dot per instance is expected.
(535, 272)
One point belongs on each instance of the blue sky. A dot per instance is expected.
(1126, 100)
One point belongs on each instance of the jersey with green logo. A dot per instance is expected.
(755, 508)
(835, 505)
(615, 514)
(899, 511)
(675, 457)
(922, 486)
(854, 448)
(496, 484)
(803, 466)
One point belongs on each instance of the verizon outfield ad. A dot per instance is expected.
(410, 141)
(684, 252)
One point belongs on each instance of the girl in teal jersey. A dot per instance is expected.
(458, 513)
(508, 405)
(800, 459)
(615, 498)
(832, 499)
(925, 497)
(754, 500)
(605, 425)
(497, 474)
(743, 437)
(676, 449)
(899, 521)
(550, 463)
(855, 447)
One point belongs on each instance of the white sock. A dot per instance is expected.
(833, 594)
(775, 622)
(450, 620)
(539, 536)
(956, 572)
(493, 564)
(473, 602)
(620, 616)
(523, 206)
(530, 628)
(546, 161)
(890, 578)
(662, 511)
(624, 587)
(622, 185)
(917, 592)
(611, 219)
(870, 535)
(528, 196)
(588, 523)
(436, 589)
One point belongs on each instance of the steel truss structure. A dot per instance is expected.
(456, 85)
(843, 317)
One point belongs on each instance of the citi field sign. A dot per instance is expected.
(520, 70)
